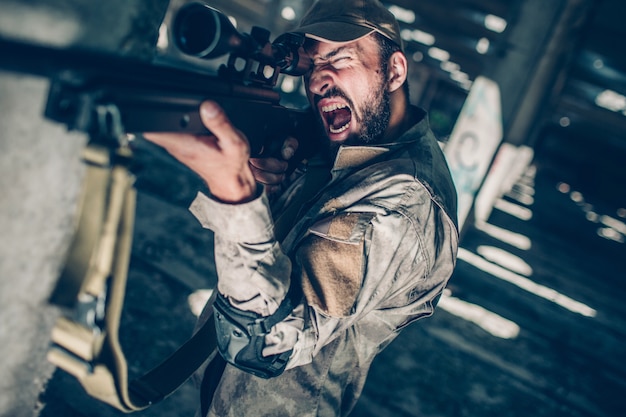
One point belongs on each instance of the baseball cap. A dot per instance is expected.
(348, 20)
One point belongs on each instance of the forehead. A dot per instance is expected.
(366, 45)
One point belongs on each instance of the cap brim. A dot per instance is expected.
(334, 31)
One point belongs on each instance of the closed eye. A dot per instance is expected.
(340, 60)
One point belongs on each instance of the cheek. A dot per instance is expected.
(368, 90)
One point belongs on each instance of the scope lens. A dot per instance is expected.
(196, 29)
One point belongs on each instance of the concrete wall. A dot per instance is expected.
(40, 177)
(41, 173)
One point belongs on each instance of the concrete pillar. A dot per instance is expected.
(538, 46)
(40, 177)
(535, 51)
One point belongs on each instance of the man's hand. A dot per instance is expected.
(271, 171)
(220, 160)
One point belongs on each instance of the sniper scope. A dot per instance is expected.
(204, 32)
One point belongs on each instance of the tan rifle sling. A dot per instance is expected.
(93, 283)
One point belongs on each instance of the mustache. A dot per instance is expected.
(333, 92)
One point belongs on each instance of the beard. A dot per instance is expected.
(376, 115)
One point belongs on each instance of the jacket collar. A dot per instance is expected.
(352, 156)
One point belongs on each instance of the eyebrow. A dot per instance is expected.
(333, 53)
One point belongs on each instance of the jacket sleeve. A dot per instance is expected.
(253, 272)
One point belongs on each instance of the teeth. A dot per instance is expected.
(341, 129)
(333, 107)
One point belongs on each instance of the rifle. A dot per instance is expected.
(105, 96)
(114, 99)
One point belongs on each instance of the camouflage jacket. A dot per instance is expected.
(372, 252)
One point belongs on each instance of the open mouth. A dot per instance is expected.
(338, 117)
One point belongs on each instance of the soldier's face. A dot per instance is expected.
(348, 88)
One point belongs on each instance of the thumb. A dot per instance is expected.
(214, 118)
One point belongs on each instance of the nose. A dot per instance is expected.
(319, 81)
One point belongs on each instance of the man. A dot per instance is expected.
(370, 250)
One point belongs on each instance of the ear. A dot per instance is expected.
(398, 68)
